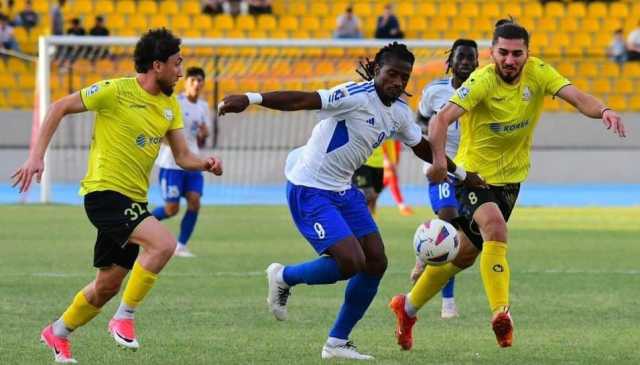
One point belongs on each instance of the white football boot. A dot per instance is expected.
(345, 351)
(278, 292)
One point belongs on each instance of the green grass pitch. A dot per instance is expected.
(575, 292)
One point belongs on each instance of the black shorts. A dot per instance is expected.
(115, 216)
(472, 198)
(367, 177)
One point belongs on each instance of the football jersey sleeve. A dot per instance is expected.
(552, 80)
(424, 107)
(339, 99)
(99, 96)
(409, 132)
(472, 91)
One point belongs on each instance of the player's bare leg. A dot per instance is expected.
(494, 269)
(158, 245)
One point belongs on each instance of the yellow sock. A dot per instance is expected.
(79, 312)
(494, 270)
(430, 283)
(139, 284)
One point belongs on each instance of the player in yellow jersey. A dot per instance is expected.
(500, 105)
(132, 116)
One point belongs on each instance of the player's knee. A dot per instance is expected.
(376, 266)
(193, 204)
(495, 229)
(351, 265)
(172, 209)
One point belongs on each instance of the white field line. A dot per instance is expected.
(261, 273)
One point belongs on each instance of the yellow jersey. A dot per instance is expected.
(497, 130)
(129, 125)
(387, 148)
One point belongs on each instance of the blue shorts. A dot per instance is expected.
(177, 183)
(443, 195)
(325, 217)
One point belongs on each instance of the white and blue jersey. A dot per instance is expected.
(434, 97)
(354, 121)
(174, 181)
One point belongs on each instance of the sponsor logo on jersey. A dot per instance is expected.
(526, 94)
(337, 95)
(93, 89)
(508, 128)
(142, 140)
(463, 92)
(371, 121)
(168, 114)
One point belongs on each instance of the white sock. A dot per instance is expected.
(59, 329)
(180, 246)
(280, 278)
(335, 342)
(448, 302)
(409, 308)
(124, 312)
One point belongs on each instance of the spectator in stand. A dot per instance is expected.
(7, 38)
(258, 7)
(348, 25)
(235, 7)
(71, 53)
(617, 51)
(27, 18)
(57, 18)
(633, 45)
(388, 25)
(76, 28)
(98, 30)
(213, 7)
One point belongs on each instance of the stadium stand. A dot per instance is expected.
(572, 35)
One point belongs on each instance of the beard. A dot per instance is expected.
(509, 78)
(165, 87)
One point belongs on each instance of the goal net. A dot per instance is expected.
(254, 144)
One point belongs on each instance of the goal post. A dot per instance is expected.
(253, 144)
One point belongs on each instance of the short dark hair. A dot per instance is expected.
(459, 42)
(195, 71)
(155, 45)
(509, 29)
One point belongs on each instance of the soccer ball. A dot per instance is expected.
(436, 242)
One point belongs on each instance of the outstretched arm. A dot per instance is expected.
(438, 139)
(592, 107)
(34, 165)
(186, 159)
(278, 100)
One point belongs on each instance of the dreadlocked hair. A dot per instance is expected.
(459, 42)
(392, 50)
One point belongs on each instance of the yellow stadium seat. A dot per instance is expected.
(169, 8)
(610, 70)
(158, 21)
(267, 22)
(245, 23)
(426, 9)
(470, 10)
(581, 40)
(289, 23)
(322, 34)
(619, 9)
(554, 9)
(448, 9)
(18, 66)
(513, 9)
(7, 79)
(533, 10)
(590, 25)
(634, 103)
(631, 69)
(310, 23)
(202, 22)
(596, 10)
(125, 7)
(440, 24)
(148, 7)
(180, 22)
(362, 9)
(567, 69)
(577, 9)
(601, 86)
(115, 23)
(547, 24)
(610, 25)
(588, 69)
(551, 104)
(18, 100)
(569, 25)
(191, 8)
(490, 10)
(223, 22)
(83, 7)
(482, 24)
(617, 102)
(137, 21)
(601, 40)
(278, 34)
(297, 8)
(624, 86)
(581, 83)
(104, 7)
(405, 9)
(319, 8)
(234, 33)
(41, 6)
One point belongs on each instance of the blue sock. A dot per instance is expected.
(159, 213)
(447, 291)
(323, 270)
(187, 225)
(359, 294)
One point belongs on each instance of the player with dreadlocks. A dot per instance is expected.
(462, 60)
(327, 210)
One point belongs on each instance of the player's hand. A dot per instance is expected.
(214, 165)
(612, 120)
(474, 180)
(437, 173)
(24, 175)
(233, 104)
(417, 271)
